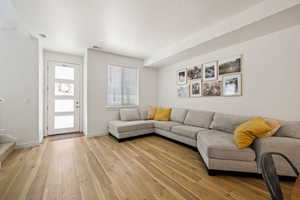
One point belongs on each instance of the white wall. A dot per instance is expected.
(270, 78)
(64, 58)
(97, 114)
(19, 86)
(41, 78)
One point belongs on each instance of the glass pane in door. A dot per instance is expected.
(66, 121)
(64, 89)
(64, 105)
(66, 73)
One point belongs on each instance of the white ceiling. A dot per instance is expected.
(136, 28)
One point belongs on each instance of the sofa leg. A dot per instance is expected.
(211, 172)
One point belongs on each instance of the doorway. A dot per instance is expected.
(63, 98)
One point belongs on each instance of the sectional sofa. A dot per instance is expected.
(212, 134)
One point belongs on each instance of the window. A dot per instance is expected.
(122, 86)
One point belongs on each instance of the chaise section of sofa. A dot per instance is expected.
(126, 129)
(219, 152)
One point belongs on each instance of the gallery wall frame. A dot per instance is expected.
(194, 72)
(196, 88)
(218, 78)
(183, 91)
(212, 88)
(230, 65)
(232, 85)
(181, 76)
(210, 70)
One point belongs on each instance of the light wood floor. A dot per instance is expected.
(100, 168)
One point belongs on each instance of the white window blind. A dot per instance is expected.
(121, 86)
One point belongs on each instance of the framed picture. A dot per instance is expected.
(195, 88)
(230, 65)
(181, 76)
(194, 73)
(232, 85)
(183, 91)
(212, 88)
(210, 71)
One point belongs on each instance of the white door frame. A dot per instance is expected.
(46, 82)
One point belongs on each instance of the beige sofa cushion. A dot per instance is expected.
(199, 118)
(125, 126)
(227, 123)
(129, 114)
(165, 125)
(178, 114)
(220, 145)
(187, 131)
(143, 113)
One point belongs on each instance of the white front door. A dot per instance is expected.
(63, 98)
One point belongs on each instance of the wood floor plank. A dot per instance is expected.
(20, 184)
(88, 186)
(148, 168)
(37, 188)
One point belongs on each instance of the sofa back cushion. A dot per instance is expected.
(199, 118)
(143, 113)
(227, 123)
(289, 129)
(178, 114)
(129, 114)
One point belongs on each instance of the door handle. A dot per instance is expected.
(77, 104)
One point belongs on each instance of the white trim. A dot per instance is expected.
(109, 107)
(89, 134)
(120, 107)
(27, 144)
(46, 65)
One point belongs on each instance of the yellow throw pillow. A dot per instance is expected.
(275, 125)
(151, 112)
(246, 133)
(162, 114)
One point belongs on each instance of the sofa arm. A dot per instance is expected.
(290, 147)
(6, 138)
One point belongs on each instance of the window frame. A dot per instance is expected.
(107, 106)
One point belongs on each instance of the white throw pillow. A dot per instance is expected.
(129, 114)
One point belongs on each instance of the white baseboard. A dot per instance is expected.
(90, 134)
(27, 144)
